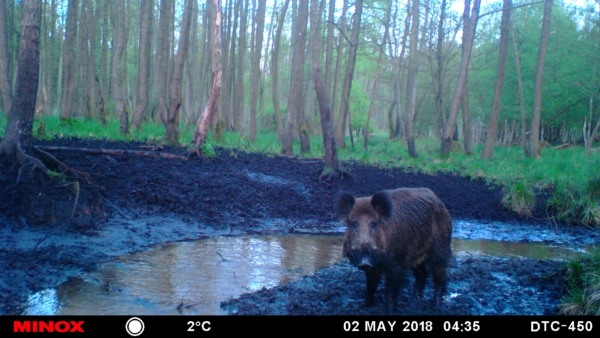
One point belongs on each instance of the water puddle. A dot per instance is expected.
(194, 277)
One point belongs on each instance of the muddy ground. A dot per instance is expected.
(131, 202)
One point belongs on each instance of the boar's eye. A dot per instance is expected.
(373, 225)
(354, 225)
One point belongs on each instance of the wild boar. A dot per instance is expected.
(395, 230)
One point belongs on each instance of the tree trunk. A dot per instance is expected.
(104, 62)
(16, 142)
(331, 160)
(338, 62)
(375, 81)
(66, 110)
(255, 68)
(439, 98)
(329, 48)
(345, 103)
(469, 27)
(145, 48)
(5, 86)
(204, 121)
(488, 148)
(295, 97)
(172, 125)
(162, 66)
(466, 113)
(116, 73)
(275, 70)
(410, 80)
(239, 92)
(534, 140)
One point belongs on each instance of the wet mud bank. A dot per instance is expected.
(148, 201)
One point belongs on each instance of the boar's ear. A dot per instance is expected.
(382, 204)
(345, 204)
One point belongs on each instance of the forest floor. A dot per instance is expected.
(52, 229)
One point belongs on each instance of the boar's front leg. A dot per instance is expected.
(373, 278)
(420, 273)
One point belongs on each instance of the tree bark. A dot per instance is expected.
(345, 103)
(239, 91)
(255, 69)
(410, 80)
(205, 120)
(331, 160)
(338, 62)
(144, 50)
(295, 97)
(162, 66)
(66, 110)
(469, 27)
(5, 86)
(490, 140)
(172, 133)
(275, 70)
(116, 74)
(16, 142)
(534, 140)
(375, 81)
(329, 48)
(466, 114)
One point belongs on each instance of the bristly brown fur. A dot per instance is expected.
(395, 230)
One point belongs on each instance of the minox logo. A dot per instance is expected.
(61, 326)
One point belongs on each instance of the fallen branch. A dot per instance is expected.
(115, 152)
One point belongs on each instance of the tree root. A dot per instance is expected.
(65, 167)
(26, 161)
(329, 175)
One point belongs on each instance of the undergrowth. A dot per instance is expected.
(582, 278)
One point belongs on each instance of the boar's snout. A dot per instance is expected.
(365, 264)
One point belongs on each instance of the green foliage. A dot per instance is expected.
(208, 150)
(519, 197)
(582, 278)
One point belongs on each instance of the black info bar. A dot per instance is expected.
(134, 326)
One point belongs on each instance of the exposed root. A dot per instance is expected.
(75, 190)
(329, 175)
(63, 166)
(26, 161)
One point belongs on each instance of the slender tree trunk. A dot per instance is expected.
(329, 48)
(524, 143)
(469, 27)
(331, 160)
(162, 66)
(172, 133)
(375, 81)
(439, 98)
(204, 121)
(85, 55)
(255, 69)
(534, 140)
(275, 70)
(239, 92)
(490, 140)
(345, 103)
(16, 142)
(410, 81)
(66, 110)
(116, 73)
(466, 114)
(228, 87)
(338, 62)
(295, 97)
(5, 86)
(104, 62)
(145, 48)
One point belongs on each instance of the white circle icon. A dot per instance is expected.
(134, 326)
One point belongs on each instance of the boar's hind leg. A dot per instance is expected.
(420, 273)
(373, 279)
(439, 283)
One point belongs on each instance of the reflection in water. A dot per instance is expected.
(201, 274)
